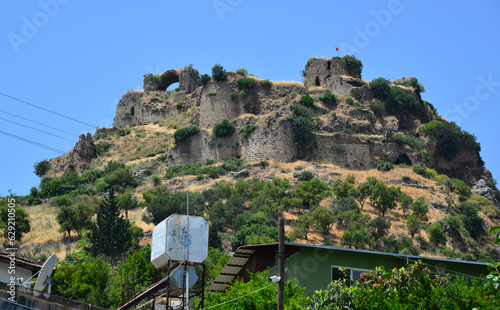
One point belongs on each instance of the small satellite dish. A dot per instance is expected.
(45, 273)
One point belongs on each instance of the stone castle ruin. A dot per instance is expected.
(268, 108)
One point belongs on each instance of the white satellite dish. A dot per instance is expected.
(45, 273)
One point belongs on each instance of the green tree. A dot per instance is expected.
(312, 192)
(381, 88)
(8, 206)
(379, 227)
(163, 206)
(82, 217)
(214, 239)
(303, 125)
(219, 73)
(406, 202)
(420, 208)
(364, 190)
(65, 219)
(413, 224)
(473, 223)
(436, 234)
(302, 226)
(385, 198)
(110, 235)
(127, 202)
(254, 233)
(323, 220)
(344, 189)
(41, 167)
(356, 238)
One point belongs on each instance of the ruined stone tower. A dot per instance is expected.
(318, 70)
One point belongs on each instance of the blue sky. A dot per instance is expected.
(78, 58)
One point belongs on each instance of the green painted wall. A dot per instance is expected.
(311, 267)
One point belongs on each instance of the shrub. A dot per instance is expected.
(233, 95)
(377, 107)
(41, 167)
(356, 93)
(352, 65)
(243, 93)
(381, 88)
(420, 208)
(328, 98)
(303, 125)
(349, 101)
(156, 180)
(122, 132)
(306, 176)
(242, 71)
(307, 101)
(436, 234)
(460, 187)
(204, 79)
(219, 73)
(401, 101)
(472, 222)
(384, 166)
(212, 94)
(266, 83)
(224, 129)
(408, 140)
(182, 134)
(422, 171)
(247, 83)
(248, 130)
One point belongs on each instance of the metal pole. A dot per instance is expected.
(281, 262)
(187, 256)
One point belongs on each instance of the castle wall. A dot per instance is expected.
(143, 110)
(215, 108)
(320, 69)
(276, 143)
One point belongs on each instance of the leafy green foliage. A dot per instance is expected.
(127, 202)
(355, 238)
(266, 83)
(163, 206)
(303, 124)
(219, 73)
(78, 218)
(265, 298)
(248, 130)
(384, 166)
(459, 186)
(110, 223)
(224, 128)
(413, 224)
(449, 138)
(411, 286)
(420, 208)
(384, 198)
(233, 95)
(323, 219)
(436, 234)
(329, 98)
(41, 167)
(353, 65)
(307, 101)
(381, 88)
(182, 134)
(402, 102)
(9, 206)
(472, 222)
(379, 227)
(312, 192)
(247, 83)
(406, 139)
(204, 79)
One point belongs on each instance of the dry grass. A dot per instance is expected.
(287, 83)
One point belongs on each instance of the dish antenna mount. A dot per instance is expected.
(44, 274)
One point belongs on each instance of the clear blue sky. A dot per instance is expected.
(79, 57)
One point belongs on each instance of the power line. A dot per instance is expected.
(48, 133)
(239, 297)
(59, 114)
(32, 142)
(29, 120)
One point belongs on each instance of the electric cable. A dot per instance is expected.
(48, 133)
(33, 142)
(29, 120)
(59, 114)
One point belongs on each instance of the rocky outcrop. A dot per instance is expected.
(82, 153)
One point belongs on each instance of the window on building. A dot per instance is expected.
(132, 111)
(339, 272)
(317, 81)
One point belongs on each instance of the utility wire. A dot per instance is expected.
(36, 129)
(29, 120)
(33, 142)
(59, 114)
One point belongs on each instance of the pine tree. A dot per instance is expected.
(110, 235)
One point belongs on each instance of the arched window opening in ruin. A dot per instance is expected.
(317, 81)
(132, 111)
(403, 159)
(329, 65)
(326, 79)
(167, 79)
(173, 86)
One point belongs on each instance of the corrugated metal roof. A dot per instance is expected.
(232, 268)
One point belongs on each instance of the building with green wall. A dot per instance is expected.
(314, 267)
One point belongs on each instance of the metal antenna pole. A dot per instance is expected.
(187, 256)
(281, 262)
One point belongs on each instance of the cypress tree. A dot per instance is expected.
(110, 234)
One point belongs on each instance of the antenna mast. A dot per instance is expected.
(186, 273)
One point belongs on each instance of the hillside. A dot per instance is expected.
(234, 128)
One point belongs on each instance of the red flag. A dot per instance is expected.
(337, 49)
